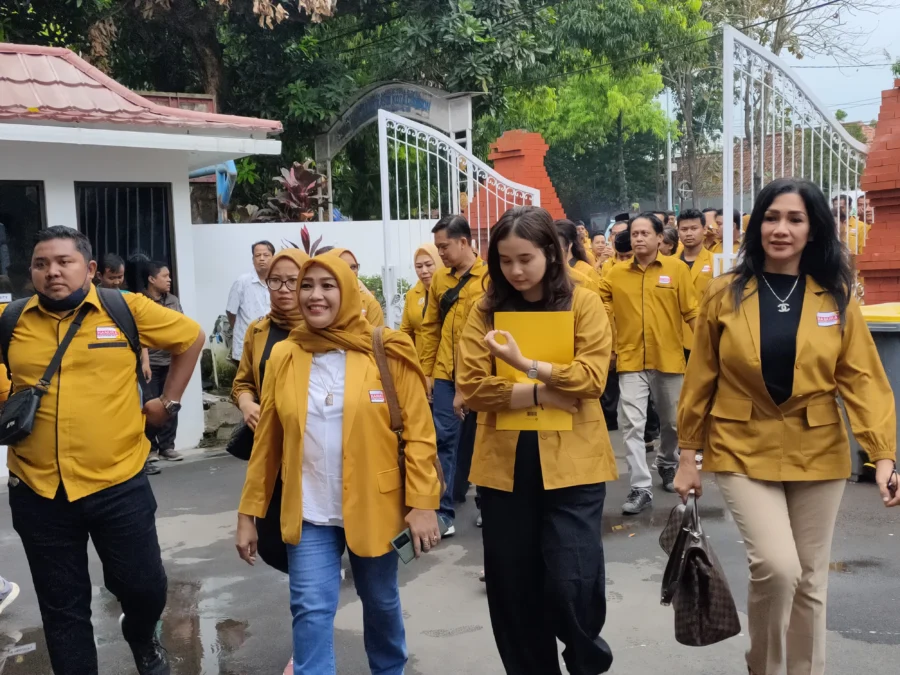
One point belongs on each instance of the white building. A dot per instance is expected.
(79, 149)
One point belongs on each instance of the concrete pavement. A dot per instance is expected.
(225, 618)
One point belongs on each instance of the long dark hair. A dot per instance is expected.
(536, 225)
(823, 258)
(566, 229)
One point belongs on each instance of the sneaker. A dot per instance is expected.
(8, 594)
(478, 520)
(289, 669)
(171, 455)
(638, 500)
(448, 529)
(150, 469)
(150, 658)
(667, 475)
(481, 576)
(154, 456)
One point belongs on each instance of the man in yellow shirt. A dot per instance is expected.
(618, 226)
(719, 246)
(78, 474)
(649, 298)
(691, 231)
(455, 289)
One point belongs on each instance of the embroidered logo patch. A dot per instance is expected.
(828, 318)
(107, 333)
(376, 396)
(665, 279)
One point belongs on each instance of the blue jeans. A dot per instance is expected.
(314, 573)
(447, 426)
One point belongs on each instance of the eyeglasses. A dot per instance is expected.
(275, 284)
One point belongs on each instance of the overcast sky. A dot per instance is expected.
(856, 90)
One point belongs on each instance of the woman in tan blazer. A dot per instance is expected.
(325, 425)
(542, 492)
(777, 342)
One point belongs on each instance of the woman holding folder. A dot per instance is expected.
(542, 490)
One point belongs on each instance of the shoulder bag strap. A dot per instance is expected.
(8, 321)
(387, 381)
(449, 298)
(116, 306)
(56, 361)
(276, 335)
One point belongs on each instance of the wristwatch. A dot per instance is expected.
(532, 372)
(172, 407)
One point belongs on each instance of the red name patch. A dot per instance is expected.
(376, 396)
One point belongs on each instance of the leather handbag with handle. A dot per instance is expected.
(694, 582)
(390, 395)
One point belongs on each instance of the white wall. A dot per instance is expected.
(223, 252)
(60, 166)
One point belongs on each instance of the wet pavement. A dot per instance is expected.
(225, 618)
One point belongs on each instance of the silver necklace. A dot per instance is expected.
(783, 305)
(329, 396)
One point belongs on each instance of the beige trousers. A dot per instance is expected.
(787, 528)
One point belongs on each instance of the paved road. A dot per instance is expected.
(225, 618)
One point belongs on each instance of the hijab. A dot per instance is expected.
(292, 319)
(350, 330)
(337, 252)
(431, 251)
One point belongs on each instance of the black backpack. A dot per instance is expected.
(114, 305)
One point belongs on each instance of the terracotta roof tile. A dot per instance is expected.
(51, 83)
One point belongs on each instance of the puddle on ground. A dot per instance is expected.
(851, 566)
(198, 637)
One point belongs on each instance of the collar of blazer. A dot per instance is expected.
(815, 300)
(354, 379)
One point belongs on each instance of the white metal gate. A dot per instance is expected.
(426, 175)
(775, 126)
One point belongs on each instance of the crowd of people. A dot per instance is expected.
(364, 437)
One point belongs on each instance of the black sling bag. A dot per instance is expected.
(449, 298)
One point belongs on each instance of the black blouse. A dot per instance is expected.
(778, 324)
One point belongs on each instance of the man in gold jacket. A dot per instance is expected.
(691, 231)
(455, 290)
(649, 298)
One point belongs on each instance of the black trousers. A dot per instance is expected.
(161, 438)
(121, 521)
(610, 399)
(545, 571)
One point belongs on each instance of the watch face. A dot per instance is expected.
(173, 408)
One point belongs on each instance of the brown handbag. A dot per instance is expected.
(393, 403)
(694, 582)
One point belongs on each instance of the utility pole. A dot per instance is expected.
(669, 151)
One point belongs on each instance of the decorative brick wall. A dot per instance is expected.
(879, 264)
(519, 156)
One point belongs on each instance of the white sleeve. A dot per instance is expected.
(234, 298)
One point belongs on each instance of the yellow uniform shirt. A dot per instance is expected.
(719, 247)
(702, 274)
(246, 379)
(89, 430)
(649, 307)
(371, 307)
(607, 266)
(589, 252)
(414, 314)
(726, 410)
(439, 342)
(587, 270)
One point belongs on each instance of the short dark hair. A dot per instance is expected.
(455, 227)
(150, 269)
(112, 263)
(82, 243)
(263, 242)
(669, 213)
(647, 215)
(623, 242)
(691, 214)
(709, 208)
(736, 217)
(847, 198)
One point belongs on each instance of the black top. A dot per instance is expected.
(689, 263)
(778, 324)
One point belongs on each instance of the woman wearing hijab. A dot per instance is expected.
(325, 425)
(542, 492)
(426, 260)
(778, 343)
(371, 308)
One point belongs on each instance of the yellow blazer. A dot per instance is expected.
(702, 274)
(588, 271)
(246, 380)
(375, 497)
(414, 313)
(371, 307)
(726, 411)
(578, 457)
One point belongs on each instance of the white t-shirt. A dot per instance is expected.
(248, 301)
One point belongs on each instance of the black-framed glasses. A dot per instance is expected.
(275, 284)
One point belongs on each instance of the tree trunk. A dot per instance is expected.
(623, 180)
(198, 25)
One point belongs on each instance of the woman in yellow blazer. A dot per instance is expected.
(325, 425)
(575, 253)
(776, 343)
(371, 308)
(426, 261)
(542, 492)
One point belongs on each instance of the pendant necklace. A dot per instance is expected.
(329, 396)
(783, 305)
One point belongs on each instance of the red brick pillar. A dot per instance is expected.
(519, 156)
(879, 264)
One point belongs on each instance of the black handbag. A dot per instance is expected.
(694, 582)
(17, 417)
